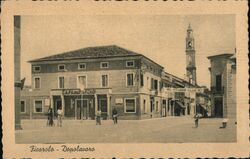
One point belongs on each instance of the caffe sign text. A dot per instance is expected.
(78, 92)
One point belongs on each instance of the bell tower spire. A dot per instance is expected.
(190, 56)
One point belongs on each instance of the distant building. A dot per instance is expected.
(203, 103)
(223, 85)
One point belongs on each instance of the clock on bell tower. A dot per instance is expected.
(190, 56)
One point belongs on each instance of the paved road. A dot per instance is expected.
(161, 130)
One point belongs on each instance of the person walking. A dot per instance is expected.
(98, 117)
(59, 116)
(196, 120)
(50, 121)
(115, 114)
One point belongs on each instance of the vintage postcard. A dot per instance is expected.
(124, 79)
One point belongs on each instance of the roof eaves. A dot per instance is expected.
(75, 58)
(220, 55)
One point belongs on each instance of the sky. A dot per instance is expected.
(159, 37)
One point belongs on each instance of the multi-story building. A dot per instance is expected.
(223, 85)
(88, 79)
(101, 78)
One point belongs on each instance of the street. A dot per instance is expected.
(160, 130)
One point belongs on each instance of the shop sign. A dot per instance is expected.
(78, 92)
(47, 101)
(197, 90)
(118, 101)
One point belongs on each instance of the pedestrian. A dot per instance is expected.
(98, 117)
(196, 120)
(50, 121)
(115, 114)
(59, 116)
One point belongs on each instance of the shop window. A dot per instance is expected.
(104, 65)
(36, 68)
(82, 82)
(61, 67)
(130, 63)
(130, 106)
(23, 107)
(81, 66)
(130, 79)
(37, 82)
(104, 80)
(61, 82)
(38, 106)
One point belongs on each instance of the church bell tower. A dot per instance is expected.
(190, 57)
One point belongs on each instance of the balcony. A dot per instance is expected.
(217, 90)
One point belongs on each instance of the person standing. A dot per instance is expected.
(196, 120)
(115, 114)
(98, 117)
(50, 117)
(59, 116)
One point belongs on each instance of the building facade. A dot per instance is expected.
(89, 79)
(106, 77)
(223, 85)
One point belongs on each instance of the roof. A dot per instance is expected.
(226, 55)
(90, 53)
(180, 80)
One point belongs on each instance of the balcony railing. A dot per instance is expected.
(217, 90)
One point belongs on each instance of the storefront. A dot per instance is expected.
(81, 104)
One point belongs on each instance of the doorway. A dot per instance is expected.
(82, 109)
(57, 105)
(188, 109)
(164, 110)
(103, 106)
(218, 107)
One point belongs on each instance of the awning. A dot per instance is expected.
(180, 105)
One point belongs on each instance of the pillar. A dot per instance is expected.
(96, 103)
(108, 106)
(63, 104)
(52, 103)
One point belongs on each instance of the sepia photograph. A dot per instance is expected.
(128, 79)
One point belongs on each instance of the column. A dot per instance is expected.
(108, 106)
(96, 103)
(51, 102)
(63, 104)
